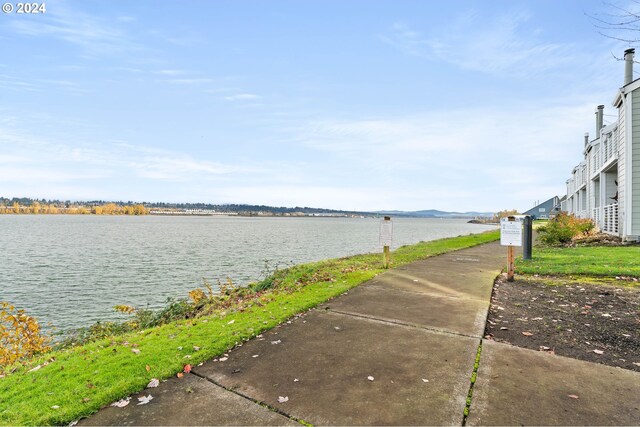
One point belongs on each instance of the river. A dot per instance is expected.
(70, 270)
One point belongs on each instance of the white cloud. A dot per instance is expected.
(242, 97)
(499, 45)
(190, 81)
(95, 36)
(171, 72)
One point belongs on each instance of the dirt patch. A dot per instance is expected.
(591, 320)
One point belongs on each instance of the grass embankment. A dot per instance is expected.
(78, 381)
(596, 261)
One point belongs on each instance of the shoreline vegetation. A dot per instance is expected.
(64, 385)
(37, 208)
(22, 206)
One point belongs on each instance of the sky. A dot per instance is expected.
(355, 105)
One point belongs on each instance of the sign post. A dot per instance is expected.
(386, 236)
(511, 236)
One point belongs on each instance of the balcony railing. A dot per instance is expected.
(610, 219)
(609, 147)
(595, 215)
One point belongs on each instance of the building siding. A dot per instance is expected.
(635, 174)
(622, 130)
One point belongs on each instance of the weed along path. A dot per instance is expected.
(397, 350)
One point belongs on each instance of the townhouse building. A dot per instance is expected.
(605, 185)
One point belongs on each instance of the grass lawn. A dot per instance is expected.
(588, 261)
(78, 381)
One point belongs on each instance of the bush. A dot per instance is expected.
(564, 228)
(20, 336)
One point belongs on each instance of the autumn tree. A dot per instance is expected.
(20, 336)
(35, 208)
(503, 214)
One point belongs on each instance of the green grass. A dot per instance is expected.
(588, 261)
(80, 380)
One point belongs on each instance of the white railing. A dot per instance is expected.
(610, 219)
(595, 215)
(610, 147)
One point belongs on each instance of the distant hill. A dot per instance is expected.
(434, 213)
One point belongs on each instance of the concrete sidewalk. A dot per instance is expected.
(397, 350)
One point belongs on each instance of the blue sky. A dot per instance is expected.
(363, 105)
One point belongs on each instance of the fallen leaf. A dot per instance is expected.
(85, 400)
(36, 368)
(636, 363)
(573, 396)
(135, 350)
(196, 348)
(504, 329)
(295, 380)
(148, 368)
(230, 322)
(544, 348)
(598, 351)
(144, 400)
(282, 399)
(527, 334)
(55, 407)
(222, 359)
(424, 380)
(121, 403)
(187, 369)
(276, 342)
(255, 355)
(179, 375)
(370, 378)
(153, 383)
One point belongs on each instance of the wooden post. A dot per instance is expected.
(511, 263)
(387, 256)
(386, 234)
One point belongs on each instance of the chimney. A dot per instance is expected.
(628, 66)
(586, 139)
(599, 119)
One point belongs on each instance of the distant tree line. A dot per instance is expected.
(102, 207)
(32, 206)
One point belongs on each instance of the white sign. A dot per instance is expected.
(386, 232)
(511, 231)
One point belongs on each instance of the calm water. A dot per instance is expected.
(72, 270)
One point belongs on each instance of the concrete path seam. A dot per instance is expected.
(431, 294)
(472, 382)
(255, 401)
(399, 323)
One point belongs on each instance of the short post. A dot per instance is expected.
(386, 236)
(511, 264)
(527, 244)
(511, 236)
(387, 256)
